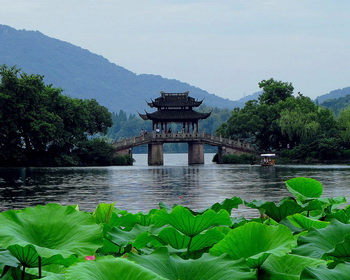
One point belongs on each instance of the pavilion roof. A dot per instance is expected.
(171, 100)
(175, 115)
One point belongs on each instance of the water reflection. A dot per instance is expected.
(140, 187)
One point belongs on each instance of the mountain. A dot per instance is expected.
(335, 94)
(337, 104)
(85, 75)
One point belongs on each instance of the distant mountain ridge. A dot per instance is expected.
(85, 75)
(334, 94)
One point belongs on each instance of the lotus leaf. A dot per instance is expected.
(52, 230)
(205, 268)
(55, 277)
(288, 267)
(342, 249)
(146, 219)
(123, 238)
(277, 212)
(174, 238)
(304, 188)
(6, 259)
(342, 215)
(228, 204)
(179, 241)
(255, 242)
(306, 223)
(110, 268)
(103, 213)
(340, 272)
(184, 221)
(317, 242)
(29, 257)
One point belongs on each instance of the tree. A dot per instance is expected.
(343, 123)
(274, 91)
(279, 120)
(38, 123)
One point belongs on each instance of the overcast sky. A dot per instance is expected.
(223, 46)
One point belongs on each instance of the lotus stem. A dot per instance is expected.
(23, 275)
(189, 245)
(39, 266)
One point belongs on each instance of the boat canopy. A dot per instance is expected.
(268, 155)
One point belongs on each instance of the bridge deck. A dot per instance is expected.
(201, 137)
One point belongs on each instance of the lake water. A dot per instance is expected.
(141, 187)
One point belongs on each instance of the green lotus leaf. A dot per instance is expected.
(288, 267)
(255, 242)
(55, 277)
(342, 215)
(317, 242)
(127, 221)
(304, 188)
(123, 238)
(306, 223)
(205, 268)
(103, 213)
(184, 221)
(110, 268)
(341, 250)
(206, 239)
(52, 230)
(7, 259)
(168, 208)
(284, 208)
(179, 241)
(340, 272)
(147, 239)
(29, 257)
(109, 247)
(228, 204)
(333, 201)
(281, 210)
(146, 219)
(174, 238)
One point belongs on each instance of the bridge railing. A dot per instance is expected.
(175, 136)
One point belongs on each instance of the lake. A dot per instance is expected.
(141, 187)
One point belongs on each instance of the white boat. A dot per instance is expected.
(267, 159)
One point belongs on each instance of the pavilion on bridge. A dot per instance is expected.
(175, 108)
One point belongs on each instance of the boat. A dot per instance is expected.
(267, 159)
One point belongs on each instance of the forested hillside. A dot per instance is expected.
(334, 94)
(85, 75)
(337, 104)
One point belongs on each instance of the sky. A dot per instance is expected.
(225, 47)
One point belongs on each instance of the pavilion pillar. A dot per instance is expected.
(195, 153)
(155, 154)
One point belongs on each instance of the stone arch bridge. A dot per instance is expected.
(195, 142)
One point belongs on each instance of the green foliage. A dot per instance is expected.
(338, 104)
(304, 188)
(274, 91)
(294, 125)
(263, 240)
(303, 238)
(98, 152)
(344, 126)
(40, 126)
(240, 159)
(206, 267)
